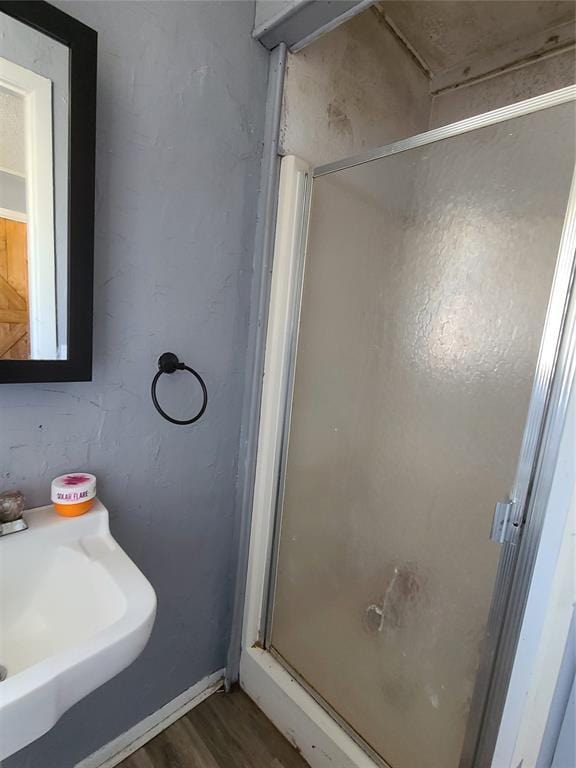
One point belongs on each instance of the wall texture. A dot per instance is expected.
(266, 10)
(354, 89)
(180, 117)
(12, 152)
(511, 86)
(358, 88)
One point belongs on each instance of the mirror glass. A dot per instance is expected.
(34, 139)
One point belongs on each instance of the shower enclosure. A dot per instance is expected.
(411, 362)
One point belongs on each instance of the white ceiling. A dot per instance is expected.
(445, 34)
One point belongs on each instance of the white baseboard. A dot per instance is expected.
(124, 745)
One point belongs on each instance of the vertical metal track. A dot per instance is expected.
(264, 246)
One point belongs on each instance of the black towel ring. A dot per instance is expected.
(168, 363)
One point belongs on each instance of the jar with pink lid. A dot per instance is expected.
(73, 494)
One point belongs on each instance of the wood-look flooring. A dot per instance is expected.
(227, 730)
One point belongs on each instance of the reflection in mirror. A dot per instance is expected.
(33, 193)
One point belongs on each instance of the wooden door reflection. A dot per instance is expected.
(14, 316)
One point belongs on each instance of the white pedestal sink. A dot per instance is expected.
(74, 611)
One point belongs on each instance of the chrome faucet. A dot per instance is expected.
(11, 509)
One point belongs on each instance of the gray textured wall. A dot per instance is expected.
(266, 10)
(180, 118)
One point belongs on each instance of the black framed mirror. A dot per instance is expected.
(47, 153)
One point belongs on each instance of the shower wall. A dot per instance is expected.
(353, 89)
(509, 87)
(359, 87)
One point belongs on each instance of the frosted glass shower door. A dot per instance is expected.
(427, 278)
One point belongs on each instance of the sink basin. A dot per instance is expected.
(74, 611)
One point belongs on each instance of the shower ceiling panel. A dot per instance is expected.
(445, 34)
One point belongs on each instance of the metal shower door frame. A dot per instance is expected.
(554, 375)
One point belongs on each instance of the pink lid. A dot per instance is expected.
(73, 488)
